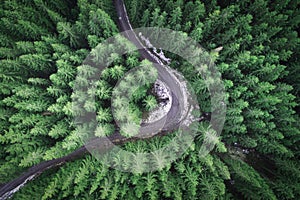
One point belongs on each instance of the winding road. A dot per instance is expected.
(171, 121)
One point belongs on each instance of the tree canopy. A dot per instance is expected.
(255, 46)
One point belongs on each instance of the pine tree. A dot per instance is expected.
(42, 49)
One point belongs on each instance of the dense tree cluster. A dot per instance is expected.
(255, 46)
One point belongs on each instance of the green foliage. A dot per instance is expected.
(150, 102)
(255, 45)
(248, 182)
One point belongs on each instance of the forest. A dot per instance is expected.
(254, 44)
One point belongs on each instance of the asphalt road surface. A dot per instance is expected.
(170, 121)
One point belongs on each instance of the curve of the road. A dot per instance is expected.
(172, 119)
